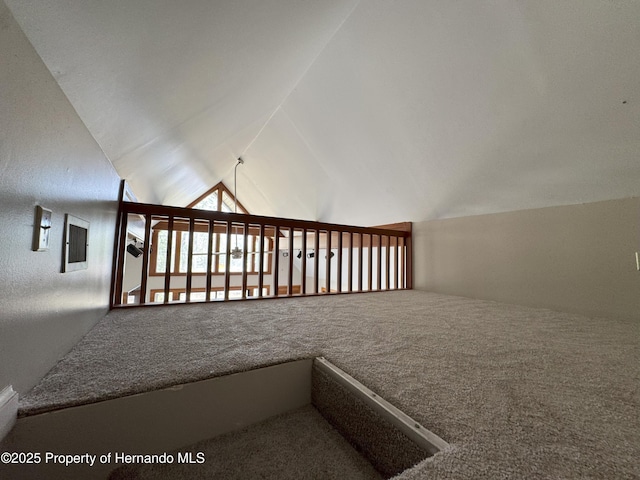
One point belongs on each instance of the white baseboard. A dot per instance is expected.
(8, 410)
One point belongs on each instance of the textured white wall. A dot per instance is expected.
(48, 158)
(578, 258)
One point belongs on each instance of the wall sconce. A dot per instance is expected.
(134, 250)
(311, 254)
(330, 255)
(299, 255)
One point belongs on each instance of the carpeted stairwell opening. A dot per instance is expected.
(304, 419)
(389, 439)
(347, 431)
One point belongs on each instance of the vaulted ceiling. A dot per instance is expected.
(360, 112)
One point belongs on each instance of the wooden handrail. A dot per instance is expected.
(187, 213)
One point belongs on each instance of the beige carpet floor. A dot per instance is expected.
(517, 392)
(298, 445)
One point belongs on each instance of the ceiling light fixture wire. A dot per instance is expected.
(236, 253)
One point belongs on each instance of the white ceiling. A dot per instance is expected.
(360, 112)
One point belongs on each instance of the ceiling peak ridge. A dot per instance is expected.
(302, 75)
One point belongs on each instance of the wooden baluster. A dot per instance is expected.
(261, 265)
(316, 261)
(245, 258)
(370, 262)
(209, 260)
(396, 263)
(350, 270)
(167, 272)
(255, 268)
(402, 265)
(328, 260)
(388, 263)
(360, 260)
(290, 284)
(303, 264)
(190, 261)
(227, 268)
(379, 278)
(276, 262)
(339, 269)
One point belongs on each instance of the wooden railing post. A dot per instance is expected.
(145, 259)
(121, 252)
(409, 262)
(115, 290)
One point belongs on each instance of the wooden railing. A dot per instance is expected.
(181, 255)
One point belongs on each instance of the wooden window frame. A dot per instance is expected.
(219, 188)
(179, 227)
(177, 291)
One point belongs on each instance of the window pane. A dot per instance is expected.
(235, 293)
(208, 203)
(184, 251)
(200, 245)
(237, 241)
(236, 263)
(159, 297)
(161, 248)
(228, 203)
(200, 242)
(199, 263)
(222, 257)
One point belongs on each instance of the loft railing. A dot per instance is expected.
(182, 255)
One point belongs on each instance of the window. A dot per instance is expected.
(198, 294)
(216, 199)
